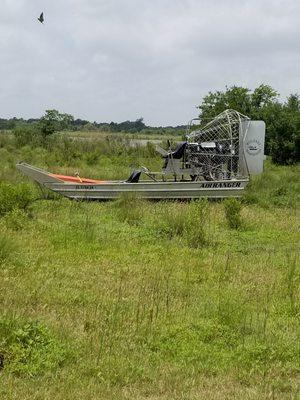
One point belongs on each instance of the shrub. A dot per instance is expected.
(14, 197)
(233, 213)
(28, 347)
(26, 134)
(92, 158)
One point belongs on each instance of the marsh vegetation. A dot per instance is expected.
(145, 300)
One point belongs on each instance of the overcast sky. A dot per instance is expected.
(107, 60)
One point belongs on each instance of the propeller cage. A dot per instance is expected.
(214, 151)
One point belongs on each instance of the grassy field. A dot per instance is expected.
(92, 135)
(146, 300)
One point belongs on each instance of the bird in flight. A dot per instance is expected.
(41, 18)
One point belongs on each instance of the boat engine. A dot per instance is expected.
(230, 146)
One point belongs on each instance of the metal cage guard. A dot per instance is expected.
(215, 150)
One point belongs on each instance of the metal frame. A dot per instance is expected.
(215, 150)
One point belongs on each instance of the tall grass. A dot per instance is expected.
(197, 223)
(6, 248)
(152, 299)
(233, 213)
(187, 222)
(14, 197)
(129, 208)
(277, 186)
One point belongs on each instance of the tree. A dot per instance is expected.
(293, 103)
(214, 103)
(128, 126)
(139, 124)
(237, 98)
(35, 132)
(54, 121)
(263, 96)
(282, 120)
(284, 143)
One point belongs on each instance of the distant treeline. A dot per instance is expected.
(282, 121)
(84, 125)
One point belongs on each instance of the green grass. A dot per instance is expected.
(92, 135)
(149, 300)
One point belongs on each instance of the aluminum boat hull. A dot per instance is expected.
(151, 190)
(108, 190)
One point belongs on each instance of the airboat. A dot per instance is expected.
(216, 160)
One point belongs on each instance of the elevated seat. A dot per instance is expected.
(134, 176)
(178, 152)
(172, 157)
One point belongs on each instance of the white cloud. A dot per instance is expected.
(116, 59)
